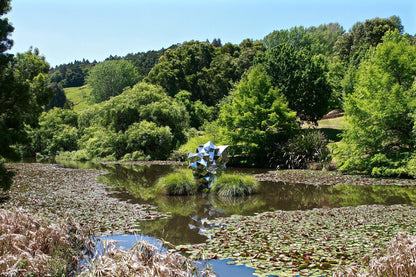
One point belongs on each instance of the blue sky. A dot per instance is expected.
(68, 30)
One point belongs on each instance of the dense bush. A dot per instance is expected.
(149, 139)
(57, 132)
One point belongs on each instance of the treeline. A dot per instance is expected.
(253, 96)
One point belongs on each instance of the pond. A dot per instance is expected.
(189, 215)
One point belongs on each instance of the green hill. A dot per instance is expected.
(78, 96)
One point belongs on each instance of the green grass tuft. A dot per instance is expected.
(229, 185)
(181, 182)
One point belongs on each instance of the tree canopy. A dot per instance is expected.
(108, 79)
(256, 118)
(23, 93)
(379, 138)
(302, 78)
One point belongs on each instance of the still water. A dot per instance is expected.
(188, 215)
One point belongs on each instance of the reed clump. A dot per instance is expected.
(398, 259)
(230, 185)
(181, 182)
(32, 246)
(144, 260)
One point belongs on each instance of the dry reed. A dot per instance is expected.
(399, 259)
(32, 246)
(143, 259)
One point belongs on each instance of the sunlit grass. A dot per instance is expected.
(181, 182)
(334, 123)
(229, 185)
(78, 96)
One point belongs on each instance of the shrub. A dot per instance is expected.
(181, 182)
(229, 185)
(309, 146)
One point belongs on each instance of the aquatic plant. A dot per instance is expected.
(229, 185)
(55, 192)
(181, 182)
(32, 246)
(398, 259)
(310, 242)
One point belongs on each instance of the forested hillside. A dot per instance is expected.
(254, 96)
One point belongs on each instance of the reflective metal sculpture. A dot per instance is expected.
(207, 163)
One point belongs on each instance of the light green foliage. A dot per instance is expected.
(98, 142)
(140, 124)
(150, 139)
(365, 34)
(57, 131)
(379, 138)
(181, 182)
(109, 78)
(256, 118)
(230, 185)
(317, 40)
(142, 102)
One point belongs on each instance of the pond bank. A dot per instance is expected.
(55, 192)
(329, 178)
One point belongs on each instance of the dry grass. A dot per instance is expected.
(142, 260)
(399, 259)
(31, 246)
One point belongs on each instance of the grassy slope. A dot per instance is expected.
(78, 96)
(333, 123)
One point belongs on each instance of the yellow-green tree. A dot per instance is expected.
(380, 135)
(256, 118)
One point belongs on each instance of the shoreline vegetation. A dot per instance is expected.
(308, 242)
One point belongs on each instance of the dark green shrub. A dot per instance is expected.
(309, 146)
(230, 185)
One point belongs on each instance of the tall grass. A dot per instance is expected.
(230, 185)
(31, 246)
(181, 182)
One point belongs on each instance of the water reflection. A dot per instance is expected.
(189, 214)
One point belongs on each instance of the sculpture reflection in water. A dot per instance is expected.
(207, 163)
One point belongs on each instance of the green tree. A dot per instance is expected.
(57, 131)
(256, 118)
(59, 98)
(22, 94)
(207, 72)
(365, 34)
(302, 78)
(108, 79)
(317, 40)
(379, 138)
